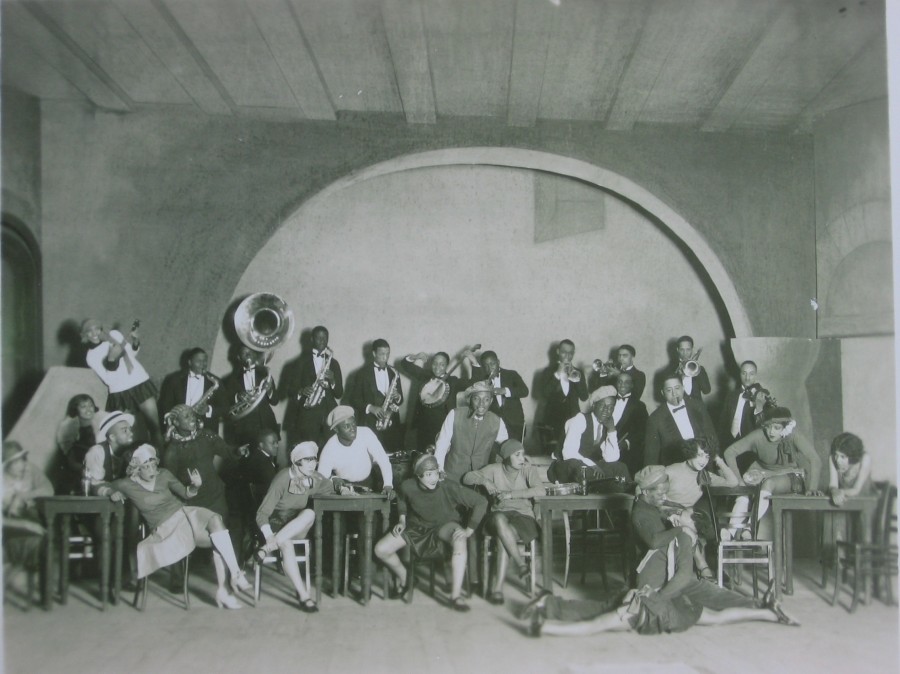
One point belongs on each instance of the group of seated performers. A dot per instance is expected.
(200, 474)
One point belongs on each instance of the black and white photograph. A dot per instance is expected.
(400, 336)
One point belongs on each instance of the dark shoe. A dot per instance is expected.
(768, 597)
(459, 604)
(537, 622)
(523, 575)
(309, 606)
(495, 598)
(534, 604)
(407, 596)
(783, 618)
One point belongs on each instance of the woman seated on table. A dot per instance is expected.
(176, 529)
(23, 532)
(777, 446)
(284, 515)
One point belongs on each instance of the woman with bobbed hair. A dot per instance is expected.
(75, 435)
(849, 470)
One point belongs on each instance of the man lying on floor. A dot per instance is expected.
(670, 597)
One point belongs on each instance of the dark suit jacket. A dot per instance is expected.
(258, 470)
(747, 424)
(663, 434)
(296, 376)
(633, 422)
(511, 412)
(365, 392)
(245, 430)
(639, 378)
(560, 408)
(701, 385)
(172, 392)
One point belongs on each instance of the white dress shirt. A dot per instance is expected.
(681, 420)
(354, 462)
(738, 413)
(382, 380)
(575, 427)
(620, 408)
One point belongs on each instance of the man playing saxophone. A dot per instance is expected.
(377, 396)
(312, 385)
(196, 387)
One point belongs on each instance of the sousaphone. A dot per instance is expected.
(263, 322)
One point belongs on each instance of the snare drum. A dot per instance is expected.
(564, 489)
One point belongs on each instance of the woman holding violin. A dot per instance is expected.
(114, 359)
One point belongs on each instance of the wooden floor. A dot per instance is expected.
(426, 636)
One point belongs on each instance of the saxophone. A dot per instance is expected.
(388, 407)
(198, 406)
(318, 392)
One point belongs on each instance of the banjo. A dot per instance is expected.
(436, 390)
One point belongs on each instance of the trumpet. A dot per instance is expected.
(606, 369)
(690, 367)
(568, 371)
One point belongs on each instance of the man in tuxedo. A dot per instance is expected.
(367, 397)
(188, 387)
(630, 417)
(246, 376)
(508, 389)
(678, 418)
(591, 441)
(737, 413)
(561, 388)
(625, 363)
(694, 387)
(297, 384)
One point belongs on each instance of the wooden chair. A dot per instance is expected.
(529, 552)
(740, 553)
(414, 561)
(273, 557)
(875, 560)
(140, 595)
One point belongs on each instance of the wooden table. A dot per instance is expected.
(65, 507)
(783, 506)
(550, 504)
(368, 505)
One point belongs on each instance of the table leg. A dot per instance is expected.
(318, 544)
(788, 552)
(104, 558)
(866, 529)
(336, 556)
(777, 546)
(366, 556)
(119, 535)
(48, 561)
(547, 546)
(66, 521)
(385, 574)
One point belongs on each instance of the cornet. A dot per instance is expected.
(690, 367)
(569, 372)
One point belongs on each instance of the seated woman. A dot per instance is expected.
(778, 447)
(512, 485)
(284, 515)
(74, 437)
(175, 529)
(686, 482)
(23, 532)
(850, 469)
(434, 523)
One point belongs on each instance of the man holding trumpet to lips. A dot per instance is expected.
(562, 389)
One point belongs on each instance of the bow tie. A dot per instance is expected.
(195, 376)
(249, 369)
(378, 368)
(315, 352)
(677, 409)
(623, 397)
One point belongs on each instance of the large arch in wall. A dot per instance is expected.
(572, 168)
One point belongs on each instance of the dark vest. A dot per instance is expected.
(470, 447)
(589, 448)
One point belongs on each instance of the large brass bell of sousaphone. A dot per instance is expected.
(263, 322)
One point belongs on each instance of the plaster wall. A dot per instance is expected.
(441, 258)
(156, 214)
(20, 125)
